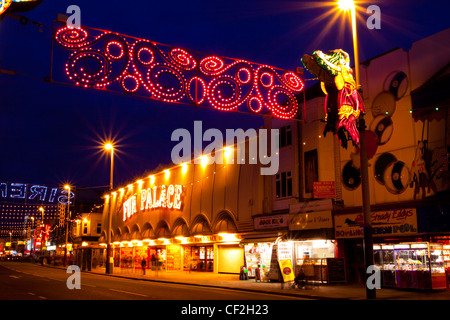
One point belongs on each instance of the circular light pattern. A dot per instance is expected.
(130, 83)
(194, 85)
(244, 75)
(251, 101)
(71, 38)
(266, 79)
(293, 81)
(114, 50)
(165, 82)
(143, 53)
(212, 66)
(88, 68)
(285, 107)
(183, 59)
(224, 93)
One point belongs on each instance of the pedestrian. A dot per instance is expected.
(144, 265)
(258, 274)
(300, 279)
(153, 259)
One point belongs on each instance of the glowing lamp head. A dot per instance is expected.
(227, 152)
(184, 168)
(204, 160)
(346, 4)
(108, 146)
(67, 187)
(167, 173)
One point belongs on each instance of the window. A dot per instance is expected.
(99, 228)
(285, 136)
(283, 184)
(85, 227)
(311, 170)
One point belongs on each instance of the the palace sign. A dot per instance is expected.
(153, 198)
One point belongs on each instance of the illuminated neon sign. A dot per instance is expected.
(111, 61)
(152, 198)
(22, 192)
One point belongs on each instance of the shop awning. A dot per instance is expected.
(260, 237)
(319, 234)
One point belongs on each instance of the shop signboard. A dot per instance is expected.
(308, 206)
(395, 222)
(271, 222)
(310, 220)
(324, 189)
(286, 269)
(285, 261)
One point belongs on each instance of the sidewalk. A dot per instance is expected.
(343, 292)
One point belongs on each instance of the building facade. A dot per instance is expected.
(221, 217)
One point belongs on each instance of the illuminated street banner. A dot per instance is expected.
(106, 60)
(33, 194)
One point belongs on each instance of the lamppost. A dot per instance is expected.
(41, 209)
(67, 187)
(109, 265)
(346, 5)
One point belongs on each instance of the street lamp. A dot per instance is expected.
(41, 209)
(368, 235)
(67, 187)
(109, 147)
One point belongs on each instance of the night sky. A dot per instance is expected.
(50, 133)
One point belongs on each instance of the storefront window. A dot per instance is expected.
(313, 251)
(258, 254)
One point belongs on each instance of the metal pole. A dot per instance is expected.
(67, 226)
(368, 235)
(108, 265)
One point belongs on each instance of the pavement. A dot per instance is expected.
(322, 291)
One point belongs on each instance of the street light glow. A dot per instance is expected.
(108, 146)
(67, 187)
(346, 4)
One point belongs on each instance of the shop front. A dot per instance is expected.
(405, 259)
(220, 253)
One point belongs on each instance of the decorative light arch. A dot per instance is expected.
(105, 60)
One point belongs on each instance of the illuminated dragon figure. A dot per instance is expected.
(343, 104)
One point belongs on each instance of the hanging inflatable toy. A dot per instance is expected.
(343, 104)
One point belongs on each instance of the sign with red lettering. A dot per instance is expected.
(384, 223)
(324, 189)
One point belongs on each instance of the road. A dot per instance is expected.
(25, 281)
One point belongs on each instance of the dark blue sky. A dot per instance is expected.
(49, 133)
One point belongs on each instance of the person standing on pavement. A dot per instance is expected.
(144, 265)
(153, 259)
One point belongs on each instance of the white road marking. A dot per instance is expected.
(137, 294)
